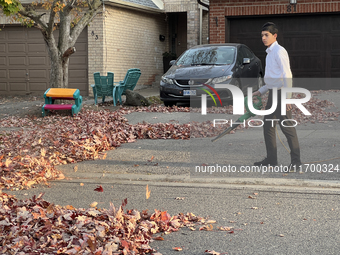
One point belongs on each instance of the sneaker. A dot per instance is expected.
(266, 162)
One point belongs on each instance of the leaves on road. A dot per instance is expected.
(147, 192)
(35, 226)
(31, 147)
(212, 252)
(99, 189)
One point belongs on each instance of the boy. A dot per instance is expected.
(279, 75)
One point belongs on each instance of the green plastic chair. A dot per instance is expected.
(103, 86)
(129, 82)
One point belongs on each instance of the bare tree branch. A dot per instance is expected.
(89, 3)
(68, 8)
(85, 20)
(34, 16)
(51, 20)
(69, 52)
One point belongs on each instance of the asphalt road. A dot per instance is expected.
(274, 221)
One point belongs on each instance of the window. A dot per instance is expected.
(208, 56)
(247, 53)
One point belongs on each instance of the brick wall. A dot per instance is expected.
(127, 39)
(205, 28)
(95, 48)
(193, 16)
(219, 9)
(180, 5)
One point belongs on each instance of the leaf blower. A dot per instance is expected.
(247, 115)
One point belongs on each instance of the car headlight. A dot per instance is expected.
(221, 79)
(167, 80)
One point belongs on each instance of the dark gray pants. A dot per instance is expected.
(289, 132)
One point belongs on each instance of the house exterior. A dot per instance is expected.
(309, 30)
(126, 34)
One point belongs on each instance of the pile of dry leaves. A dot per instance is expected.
(28, 155)
(35, 226)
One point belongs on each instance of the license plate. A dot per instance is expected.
(191, 92)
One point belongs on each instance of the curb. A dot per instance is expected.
(186, 179)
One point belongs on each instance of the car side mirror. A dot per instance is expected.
(172, 62)
(246, 61)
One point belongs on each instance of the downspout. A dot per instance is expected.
(203, 4)
(201, 17)
(201, 23)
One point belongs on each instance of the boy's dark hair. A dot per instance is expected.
(270, 27)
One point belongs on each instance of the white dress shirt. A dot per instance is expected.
(277, 71)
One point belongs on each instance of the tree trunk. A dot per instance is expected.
(60, 52)
(56, 77)
(59, 62)
(59, 72)
(65, 72)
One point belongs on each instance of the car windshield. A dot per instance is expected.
(222, 55)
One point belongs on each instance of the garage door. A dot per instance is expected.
(24, 62)
(312, 42)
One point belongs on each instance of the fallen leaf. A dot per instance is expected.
(207, 227)
(93, 204)
(212, 252)
(60, 177)
(99, 189)
(180, 198)
(165, 216)
(69, 207)
(158, 238)
(124, 202)
(42, 152)
(225, 228)
(177, 248)
(8, 162)
(147, 192)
